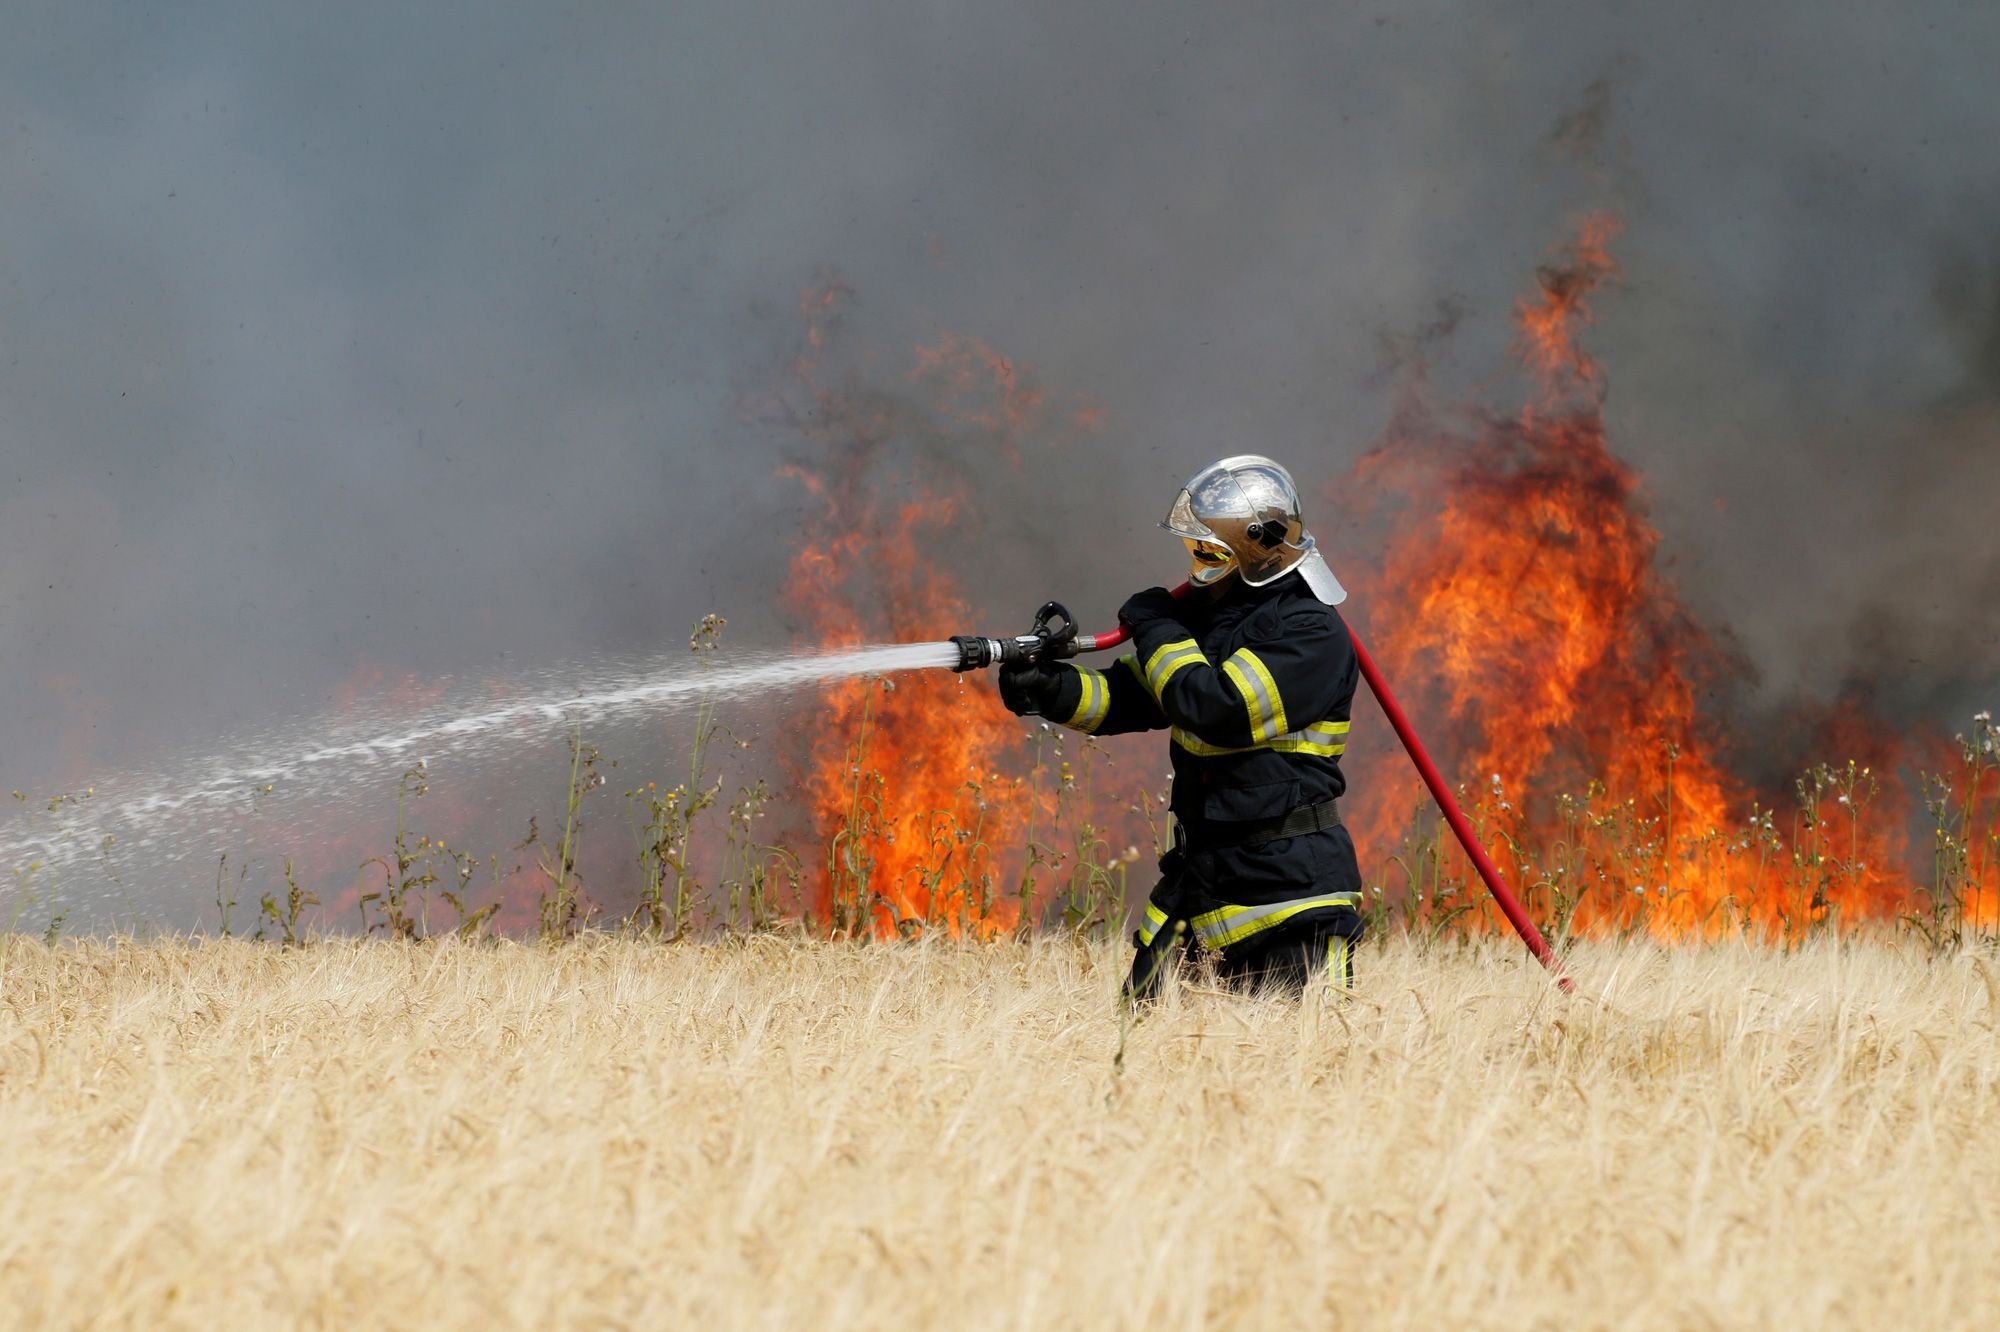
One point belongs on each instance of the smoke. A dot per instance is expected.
(379, 342)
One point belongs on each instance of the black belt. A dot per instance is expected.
(1294, 823)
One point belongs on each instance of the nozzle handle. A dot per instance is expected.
(1055, 627)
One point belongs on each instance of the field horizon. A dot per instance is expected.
(778, 1131)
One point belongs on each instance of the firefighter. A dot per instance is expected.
(1252, 674)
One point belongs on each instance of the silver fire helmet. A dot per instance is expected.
(1249, 506)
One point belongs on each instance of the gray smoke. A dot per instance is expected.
(371, 342)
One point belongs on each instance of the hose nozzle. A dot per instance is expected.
(978, 653)
(1054, 636)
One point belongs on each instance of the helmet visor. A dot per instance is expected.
(1208, 561)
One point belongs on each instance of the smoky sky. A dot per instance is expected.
(416, 339)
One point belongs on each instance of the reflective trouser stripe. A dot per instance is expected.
(1340, 962)
(1094, 702)
(1170, 659)
(1266, 709)
(1155, 918)
(1233, 924)
(1328, 739)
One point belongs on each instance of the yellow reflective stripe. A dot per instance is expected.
(1155, 918)
(1273, 703)
(1131, 663)
(1323, 739)
(1169, 659)
(1309, 742)
(1252, 705)
(1259, 692)
(1093, 703)
(1233, 924)
(1340, 963)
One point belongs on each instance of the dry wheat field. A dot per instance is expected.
(775, 1132)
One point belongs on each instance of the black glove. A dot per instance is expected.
(1155, 603)
(1029, 688)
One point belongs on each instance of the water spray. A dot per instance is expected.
(1054, 637)
(186, 808)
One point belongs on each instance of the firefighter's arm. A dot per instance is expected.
(1107, 702)
(1287, 675)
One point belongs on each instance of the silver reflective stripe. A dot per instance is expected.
(1233, 924)
(1322, 738)
(1092, 703)
(1340, 963)
(1256, 699)
(1171, 658)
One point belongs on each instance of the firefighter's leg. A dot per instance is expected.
(1290, 958)
(1277, 961)
(1162, 933)
(1153, 961)
(1342, 934)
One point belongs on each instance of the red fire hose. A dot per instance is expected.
(1510, 906)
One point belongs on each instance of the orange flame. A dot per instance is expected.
(1549, 325)
(1520, 605)
(919, 805)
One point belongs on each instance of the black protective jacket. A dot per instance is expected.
(1255, 685)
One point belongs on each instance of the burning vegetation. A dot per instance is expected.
(1514, 593)
(903, 776)
(930, 804)
(1519, 601)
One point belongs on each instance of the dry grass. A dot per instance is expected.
(777, 1133)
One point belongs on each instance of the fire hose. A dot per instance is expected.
(1055, 636)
